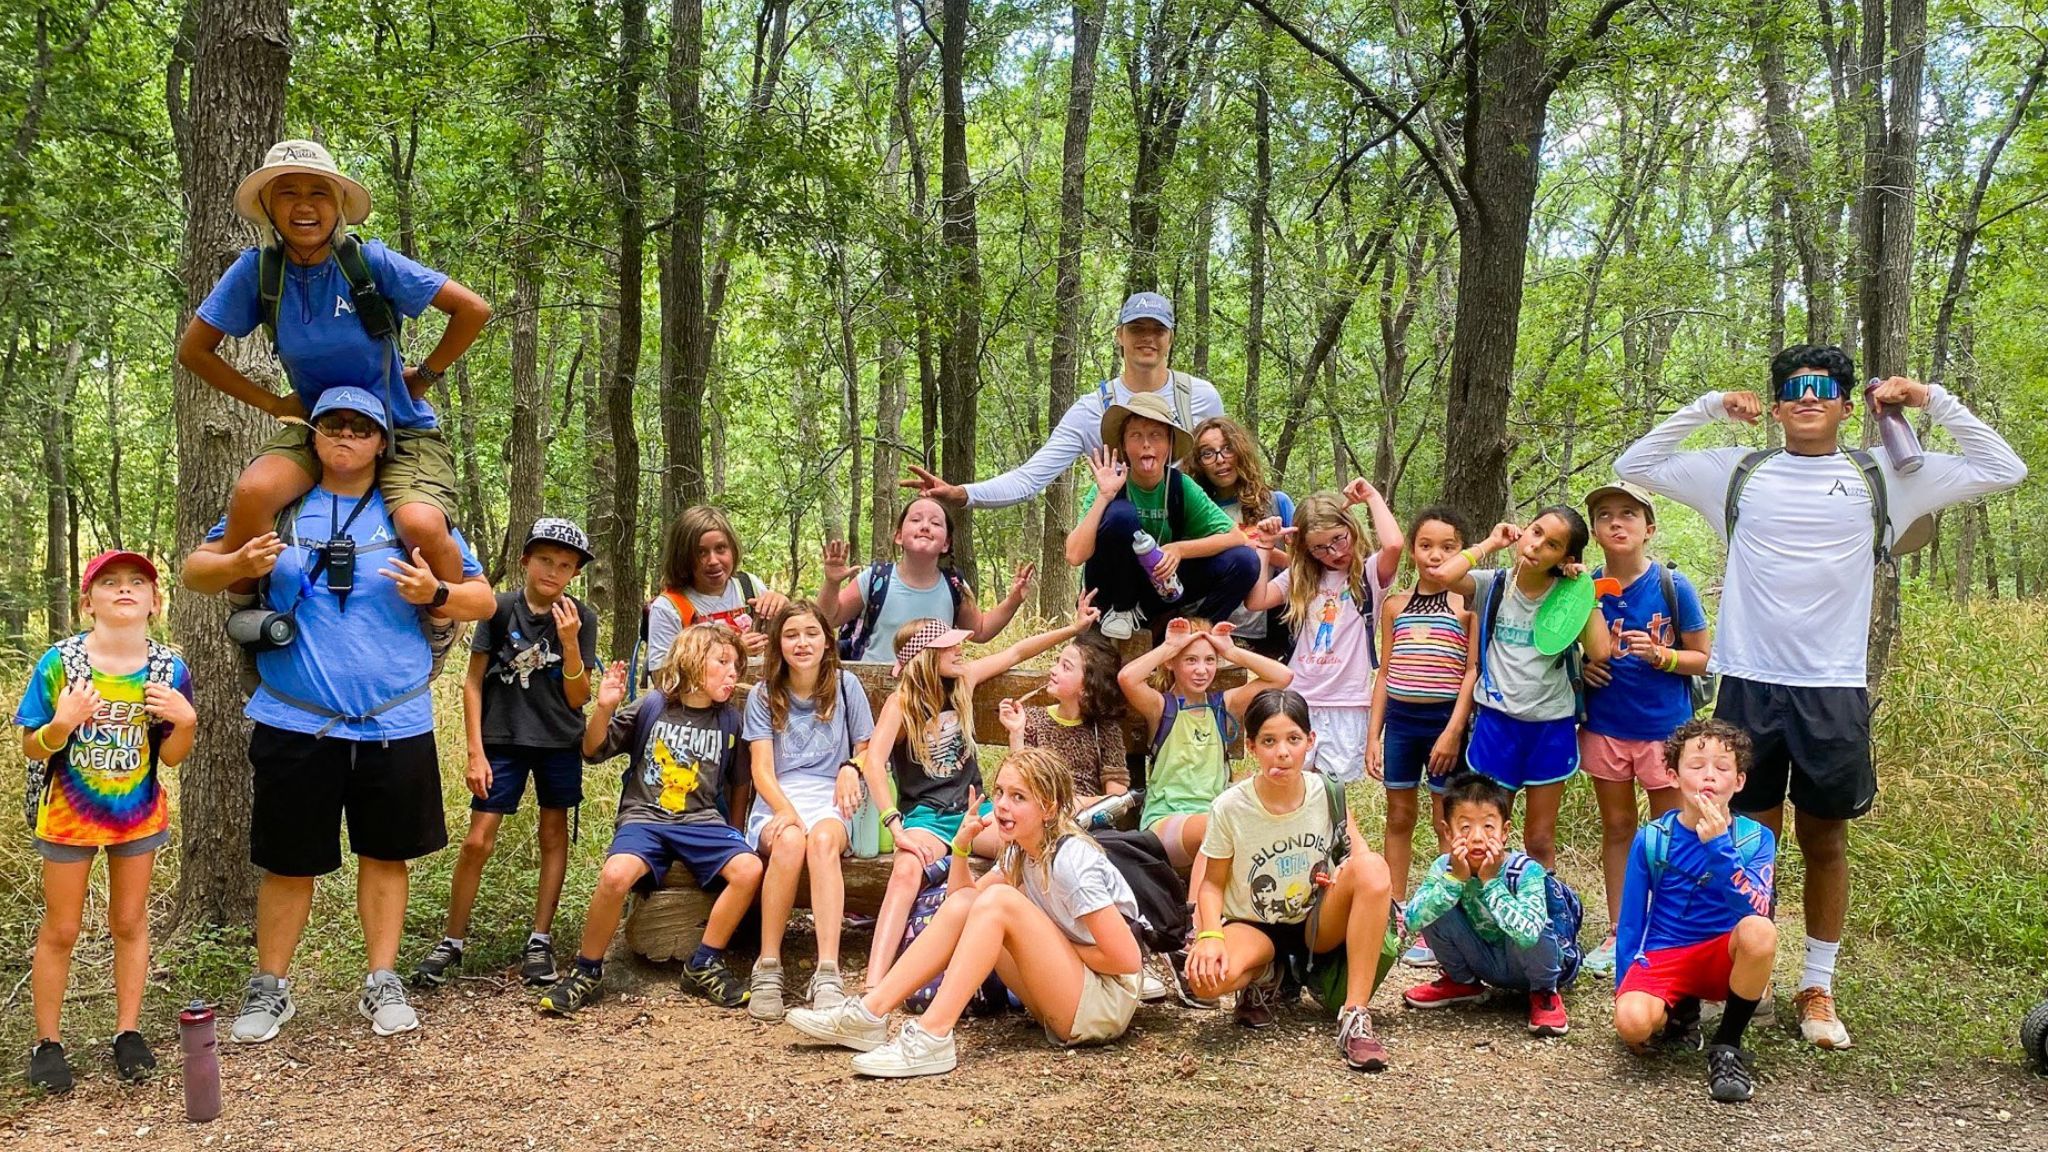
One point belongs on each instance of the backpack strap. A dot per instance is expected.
(373, 309)
(880, 574)
(1225, 723)
(957, 587)
(1657, 849)
(269, 287)
(1731, 501)
(1167, 715)
(681, 603)
(77, 665)
(748, 588)
(1496, 587)
(1670, 587)
(1340, 836)
(1183, 399)
(1880, 505)
(335, 718)
(1176, 502)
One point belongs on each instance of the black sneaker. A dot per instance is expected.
(716, 983)
(1728, 1078)
(1682, 1026)
(47, 1067)
(1178, 961)
(537, 965)
(572, 992)
(439, 961)
(132, 1057)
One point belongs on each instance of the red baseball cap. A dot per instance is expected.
(104, 560)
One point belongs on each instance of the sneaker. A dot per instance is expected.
(1600, 961)
(827, 991)
(1178, 963)
(715, 982)
(383, 1004)
(442, 636)
(1682, 1025)
(47, 1067)
(433, 968)
(579, 988)
(1151, 989)
(132, 1058)
(1443, 992)
(537, 963)
(1419, 955)
(1356, 1042)
(1257, 1000)
(914, 1052)
(848, 1026)
(1547, 1015)
(1818, 1024)
(764, 991)
(266, 1005)
(1728, 1076)
(1121, 624)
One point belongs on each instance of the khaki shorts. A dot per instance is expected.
(1107, 1004)
(420, 471)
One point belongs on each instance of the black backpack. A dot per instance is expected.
(857, 634)
(373, 309)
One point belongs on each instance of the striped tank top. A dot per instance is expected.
(1426, 664)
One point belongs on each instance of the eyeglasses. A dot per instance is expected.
(1212, 455)
(1332, 548)
(1821, 385)
(347, 429)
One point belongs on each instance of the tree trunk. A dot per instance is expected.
(526, 469)
(1793, 180)
(959, 371)
(617, 537)
(683, 333)
(59, 540)
(849, 403)
(599, 581)
(1199, 322)
(1170, 61)
(236, 55)
(1256, 227)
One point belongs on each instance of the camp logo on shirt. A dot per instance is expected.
(341, 305)
(1282, 877)
(676, 757)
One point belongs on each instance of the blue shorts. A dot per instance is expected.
(705, 849)
(1523, 753)
(944, 825)
(1407, 733)
(557, 778)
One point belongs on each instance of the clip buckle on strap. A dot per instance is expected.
(335, 718)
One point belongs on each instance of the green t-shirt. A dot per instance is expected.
(1202, 517)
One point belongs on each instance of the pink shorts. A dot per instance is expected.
(1606, 758)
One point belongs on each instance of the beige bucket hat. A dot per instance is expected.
(1151, 406)
(288, 157)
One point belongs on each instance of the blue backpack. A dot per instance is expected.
(1657, 848)
(1567, 914)
(858, 634)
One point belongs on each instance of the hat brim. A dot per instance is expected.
(355, 199)
(1594, 497)
(1114, 420)
(532, 540)
(950, 638)
(102, 563)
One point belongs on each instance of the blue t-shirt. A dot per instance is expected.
(1642, 702)
(353, 656)
(319, 337)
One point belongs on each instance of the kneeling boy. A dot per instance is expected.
(1486, 913)
(1696, 909)
(674, 808)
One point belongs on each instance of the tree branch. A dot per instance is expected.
(1594, 31)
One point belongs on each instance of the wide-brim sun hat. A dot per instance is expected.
(294, 157)
(930, 635)
(1151, 406)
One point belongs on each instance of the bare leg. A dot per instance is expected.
(282, 905)
(621, 871)
(1539, 822)
(1007, 932)
(262, 490)
(553, 834)
(128, 920)
(64, 887)
(906, 880)
(1247, 952)
(778, 889)
(1355, 911)
(1824, 845)
(1442, 823)
(823, 847)
(1401, 813)
(1637, 1017)
(925, 958)
(424, 527)
(1617, 799)
(380, 904)
(1753, 945)
(742, 876)
(469, 870)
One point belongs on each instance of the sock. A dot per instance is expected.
(1734, 1020)
(1819, 969)
(704, 955)
(594, 967)
(769, 963)
(547, 938)
(455, 940)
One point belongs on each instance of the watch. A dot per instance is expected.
(440, 594)
(422, 372)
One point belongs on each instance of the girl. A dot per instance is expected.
(1287, 886)
(922, 753)
(1422, 698)
(1525, 735)
(102, 713)
(1331, 594)
(807, 724)
(1226, 464)
(920, 585)
(1053, 919)
(1190, 747)
(701, 579)
(1084, 725)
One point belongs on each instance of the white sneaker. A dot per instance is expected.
(914, 1052)
(1121, 624)
(848, 1026)
(384, 1005)
(1151, 989)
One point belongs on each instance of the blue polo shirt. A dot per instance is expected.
(319, 337)
(1642, 702)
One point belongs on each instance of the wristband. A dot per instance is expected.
(1216, 935)
(1671, 660)
(963, 853)
(43, 742)
(1471, 557)
(889, 814)
(585, 671)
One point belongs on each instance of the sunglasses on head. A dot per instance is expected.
(1820, 384)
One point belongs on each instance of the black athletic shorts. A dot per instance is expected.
(1810, 743)
(390, 792)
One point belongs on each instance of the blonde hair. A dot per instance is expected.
(691, 653)
(924, 693)
(1050, 784)
(1319, 513)
(775, 672)
(1164, 677)
(1254, 496)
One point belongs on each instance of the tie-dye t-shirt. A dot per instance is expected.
(103, 787)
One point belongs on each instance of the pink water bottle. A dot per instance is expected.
(196, 1035)
(1149, 556)
(1901, 443)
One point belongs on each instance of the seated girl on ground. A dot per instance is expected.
(922, 584)
(701, 579)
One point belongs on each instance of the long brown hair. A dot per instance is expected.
(1254, 495)
(775, 674)
(1319, 513)
(925, 693)
(679, 550)
(1049, 782)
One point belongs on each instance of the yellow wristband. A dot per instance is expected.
(1218, 935)
(1471, 557)
(1671, 660)
(963, 853)
(43, 742)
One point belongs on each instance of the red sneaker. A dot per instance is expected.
(1547, 1016)
(1443, 992)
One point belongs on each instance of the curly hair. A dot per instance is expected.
(1727, 735)
(775, 672)
(1825, 357)
(1102, 701)
(683, 673)
(1254, 495)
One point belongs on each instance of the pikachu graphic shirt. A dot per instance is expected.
(681, 773)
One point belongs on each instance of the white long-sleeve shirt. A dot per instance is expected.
(1079, 433)
(1795, 603)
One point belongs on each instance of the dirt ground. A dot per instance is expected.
(649, 1067)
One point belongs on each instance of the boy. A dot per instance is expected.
(1485, 911)
(675, 806)
(1637, 697)
(1138, 489)
(522, 710)
(1696, 909)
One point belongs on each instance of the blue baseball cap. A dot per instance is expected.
(350, 399)
(1146, 306)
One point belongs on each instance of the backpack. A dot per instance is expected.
(1567, 914)
(639, 665)
(1225, 723)
(1163, 911)
(1183, 398)
(160, 667)
(1573, 663)
(1881, 548)
(1657, 849)
(858, 633)
(1700, 689)
(373, 309)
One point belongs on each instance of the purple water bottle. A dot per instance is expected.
(1901, 443)
(197, 1037)
(1147, 551)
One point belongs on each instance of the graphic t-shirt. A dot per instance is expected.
(664, 623)
(106, 790)
(1200, 517)
(1083, 882)
(682, 774)
(1514, 677)
(1274, 857)
(901, 604)
(1642, 702)
(319, 337)
(1332, 659)
(1094, 752)
(525, 701)
(806, 746)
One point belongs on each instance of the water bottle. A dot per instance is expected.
(866, 833)
(1104, 813)
(197, 1037)
(1901, 443)
(1147, 551)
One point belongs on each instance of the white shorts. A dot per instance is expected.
(1340, 741)
(1105, 1011)
(811, 796)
